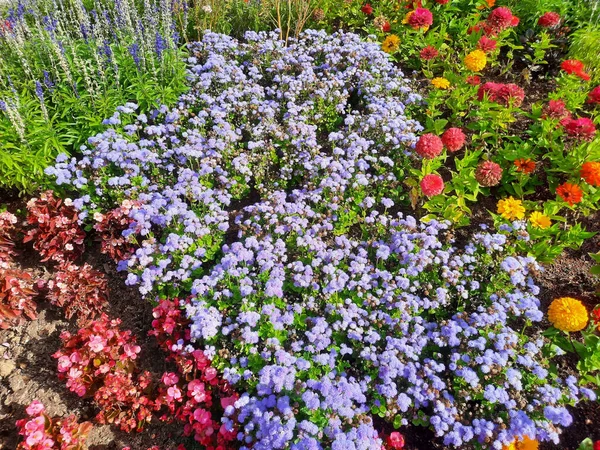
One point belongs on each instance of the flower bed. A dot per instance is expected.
(271, 194)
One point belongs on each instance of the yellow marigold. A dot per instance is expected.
(540, 220)
(440, 83)
(391, 44)
(510, 208)
(524, 444)
(476, 60)
(568, 314)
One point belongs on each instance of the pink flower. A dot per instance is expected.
(395, 440)
(486, 44)
(420, 18)
(594, 96)
(429, 146)
(96, 343)
(488, 173)
(170, 378)
(64, 363)
(173, 393)
(549, 20)
(196, 390)
(500, 19)
(36, 407)
(432, 185)
(555, 109)
(210, 373)
(201, 416)
(131, 350)
(510, 94)
(582, 128)
(454, 139)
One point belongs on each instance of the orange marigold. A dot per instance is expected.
(570, 193)
(590, 172)
(524, 165)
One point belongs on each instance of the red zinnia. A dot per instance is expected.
(594, 95)
(454, 139)
(500, 19)
(488, 173)
(510, 93)
(574, 67)
(474, 80)
(429, 146)
(442, 2)
(555, 109)
(514, 21)
(549, 20)
(486, 44)
(367, 9)
(570, 193)
(582, 128)
(590, 172)
(420, 18)
(386, 27)
(428, 53)
(597, 445)
(432, 185)
(490, 89)
(475, 28)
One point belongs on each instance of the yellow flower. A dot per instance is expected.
(440, 83)
(540, 220)
(391, 44)
(568, 314)
(476, 60)
(407, 17)
(524, 444)
(511, 208)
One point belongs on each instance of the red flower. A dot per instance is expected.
(428, 53)
(582, 128)
(549, 20)
(488, 173)
(500, 19)
(475, 28)
(490, 89)
(474, 80)
(570, 193)
(454, 139)
(486, 44)
(429, 146)
(514, 21)
(555, 109)
(597, 445)
(420, 18)
(386, 27)
(594, 97)
(367, 9)
(395, 440)
(442, 2)
(432, 185)
(574, 67)
(510, 93)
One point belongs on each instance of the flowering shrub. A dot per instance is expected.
(41, 431)
(99, 361)
(55, 232)
(17, 287)
(79, 290)
(110, 228)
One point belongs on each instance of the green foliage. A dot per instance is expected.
(584, 46)
(57, 82)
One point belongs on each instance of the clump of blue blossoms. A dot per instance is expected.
(271, 193)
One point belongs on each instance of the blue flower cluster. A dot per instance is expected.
(271, 194)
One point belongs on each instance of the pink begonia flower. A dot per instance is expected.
(35, 408)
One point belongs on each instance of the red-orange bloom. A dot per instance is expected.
(525, 165)
(570, 193)
(590, 172)
(574, 67)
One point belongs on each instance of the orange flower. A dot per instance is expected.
(570, 193)
(525, 165)
(590, 172)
